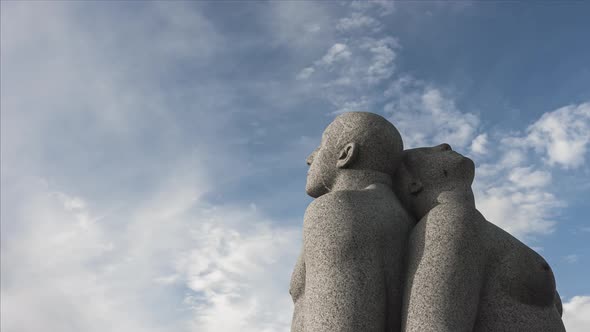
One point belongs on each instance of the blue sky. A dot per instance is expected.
(153, 154)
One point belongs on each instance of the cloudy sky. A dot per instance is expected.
(153, 154)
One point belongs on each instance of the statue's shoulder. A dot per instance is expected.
(336, 211)
(332, 203)
(453, 220)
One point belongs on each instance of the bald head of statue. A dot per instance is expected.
(357, 148)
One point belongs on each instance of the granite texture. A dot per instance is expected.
(349, 275)
(463, 272)
(367, 265)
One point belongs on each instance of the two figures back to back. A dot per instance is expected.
(367, 266)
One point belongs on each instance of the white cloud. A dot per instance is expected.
(358, 21)
(361, 105)
(576, 314)
(368, 62)
(478, 146)
(337, 52)
(511, 157)
(73, 271)
(93, 242)
(59, 72)
(357, 61)
(523, 212)
(305, 73)
(229, 270)
(425, 117)
(525, 177)
(519, 197)
(383, 55)
(346, 74)
(382, 7)
(562, 135)
(52, 274)
(302, 26)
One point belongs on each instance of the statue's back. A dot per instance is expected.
(370, 228)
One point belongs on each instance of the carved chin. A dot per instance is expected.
(313, 189)
(470, 167)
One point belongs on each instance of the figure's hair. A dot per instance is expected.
(380, 143)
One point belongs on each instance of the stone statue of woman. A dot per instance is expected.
(464, 273)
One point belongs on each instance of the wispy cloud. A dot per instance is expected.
(305, 73)
(576, 313)
(426, 117)
(338, 52)
(303, 27)
(381, 7)
(357, 21)
(562, 136)
(478, 146)
(53, 266)
(207, 265)
(121, 135)
(227, 271)
(348, 73)
(104, 216)
(526, 203)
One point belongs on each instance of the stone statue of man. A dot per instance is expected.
(349, 274)
(464, 273)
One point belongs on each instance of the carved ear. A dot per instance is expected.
(415, 187)
(347, 155)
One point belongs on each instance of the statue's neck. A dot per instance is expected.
(429, 201)
(351, 179)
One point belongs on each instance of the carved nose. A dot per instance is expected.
(445, 147)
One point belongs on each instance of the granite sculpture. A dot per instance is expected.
(349, 274)
(463, 272)
(393, 242)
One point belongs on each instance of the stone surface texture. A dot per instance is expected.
(349, 275)
(463, 272)
(393, 242)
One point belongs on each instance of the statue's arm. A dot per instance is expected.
(344, 284)
(296, 290)
(445, 272)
